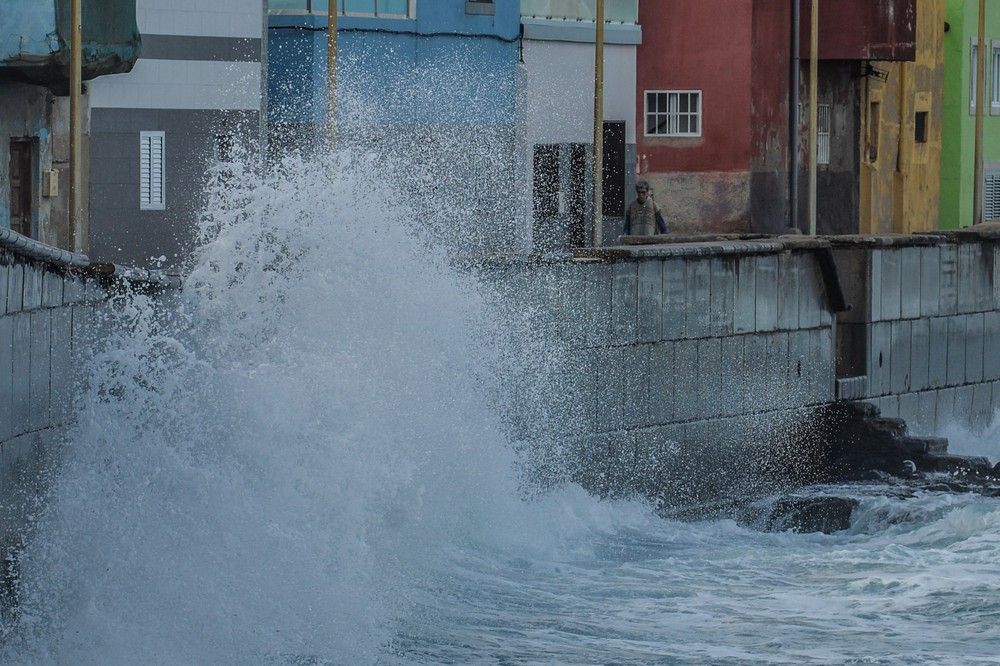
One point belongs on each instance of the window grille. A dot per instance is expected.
(991, 197)
(823, 133)
(151, 171)
(675, 113)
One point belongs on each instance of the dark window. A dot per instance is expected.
(920, 127)
(874, 122)
(480, 7)
(614, 169)
(546, 181)
(20, 186)
(578, 194)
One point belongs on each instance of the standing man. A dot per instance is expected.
(643, 217)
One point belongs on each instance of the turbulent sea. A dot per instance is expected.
(302, 459)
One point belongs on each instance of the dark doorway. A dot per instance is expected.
(21, 186)
(614, 169)
(578, 194)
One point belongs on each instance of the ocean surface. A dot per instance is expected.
(302, 458)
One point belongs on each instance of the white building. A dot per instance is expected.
(197, 89)
(558, 54)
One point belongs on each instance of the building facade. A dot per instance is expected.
(34, 107)
(195, 94)
(558, 55)
(716, 103)
(957, 164)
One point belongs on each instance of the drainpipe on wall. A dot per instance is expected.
(598, 231)
(77, 234)
(813, 114)
(977, 189)
(795, 96)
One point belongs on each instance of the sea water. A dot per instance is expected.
(302, 458)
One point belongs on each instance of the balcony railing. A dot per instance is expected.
(383, 8)
(615, 11)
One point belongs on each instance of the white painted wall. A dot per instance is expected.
(561, 90)
(198, 18)
(181, 84)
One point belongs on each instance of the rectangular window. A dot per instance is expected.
(21, 186)
(874, 122)
(480, 7)
(674, 113)
(380, 8)
(920, 127)
(991, 197)
(152, 179)
(823, 133)
(995, 80)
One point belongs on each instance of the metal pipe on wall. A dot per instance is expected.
(813, 115)
(977, 189)
(78, 234)
(794, 120)
(598, 230)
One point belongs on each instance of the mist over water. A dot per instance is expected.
(307, 457)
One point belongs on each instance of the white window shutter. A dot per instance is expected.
(152, 176)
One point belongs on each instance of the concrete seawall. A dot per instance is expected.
(700, 366)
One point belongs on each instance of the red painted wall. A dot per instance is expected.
(698, 45)
(863, 29)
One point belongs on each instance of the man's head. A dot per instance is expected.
(641, 191)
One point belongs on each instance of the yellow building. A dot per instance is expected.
(900, 138)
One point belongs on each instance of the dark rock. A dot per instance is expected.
(963, 465)
(996, 471)
(812, 514)
(926, 445)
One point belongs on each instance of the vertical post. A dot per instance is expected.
(794, 121)
(977, 189)
(76, 127)
(331, 72)
(813, 114)
(598, 231)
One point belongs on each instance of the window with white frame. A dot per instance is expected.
(995, 80)
(674, 113)
(379, 8)
(823, 133)
(151, 171)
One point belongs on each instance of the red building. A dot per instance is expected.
(714, 100)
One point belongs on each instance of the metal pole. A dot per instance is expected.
(795, 97)
(599, 126)
(331, 71)
(977, 190)
(76, 126)
(813, 114)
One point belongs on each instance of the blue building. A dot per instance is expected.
(400, 62)
(441, 76)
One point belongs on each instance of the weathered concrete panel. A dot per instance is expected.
(650, 300)
(6, 377)
(598, 305)
(930, 281)
(686, 402)
(674, 319)
(624, 302)
(920, 354)
(789, 269)
(710, 377)
(982, 406)
(698, 279)
(21, 402)
(910, 282)
(15, 288)
(798, 366)
(963, 404)
(52, 290)
(824, 372)
(745, 317)
(571, 312)
(723, 295)
(610, 389)
(41, 368)
(32, 286)
(967, 299)
(928, 413)
(891, 285)
(732, 399)
(949, 280)
(879, 359)
(776, 377)
(767, 293)
(754, 373)
(991, 346)
(995, 392)
(957, 328)
(974, 339)
(876, 285)
(945, 408)
(909, 411)
(812, 305)
(661, 382)
(900, 357)
(637, 406)
(4, 278)
(938, 356)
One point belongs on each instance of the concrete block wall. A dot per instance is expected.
(925, 328)
(44, 314)
(708, 348)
